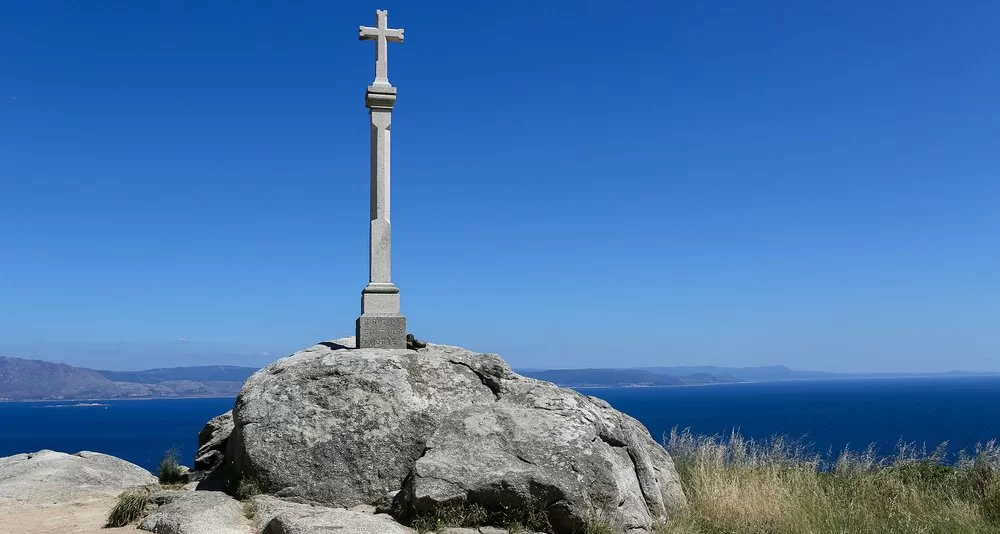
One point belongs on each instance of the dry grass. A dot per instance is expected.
(741, 486)
(130, 507)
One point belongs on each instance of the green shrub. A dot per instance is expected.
(130, 507)
(247, 487)
(516, 520)
(249, 509)
(451, 516)
(170, 471)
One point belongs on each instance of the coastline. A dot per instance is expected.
(84, 400)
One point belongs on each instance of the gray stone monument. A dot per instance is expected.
(380, 325)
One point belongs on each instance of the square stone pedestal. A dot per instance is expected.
(381, 332)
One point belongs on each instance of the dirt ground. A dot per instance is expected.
(76, 517)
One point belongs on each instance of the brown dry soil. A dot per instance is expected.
(83, 516)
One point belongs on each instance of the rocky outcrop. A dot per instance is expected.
(275, 516)
(212, 442)
(50, 491)
(195, 512)
(410, 431)
(55, 477)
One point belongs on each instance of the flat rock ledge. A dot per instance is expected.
(211, 512)
(195, 512)
(47, 477)
(274, 516)
(409, 432)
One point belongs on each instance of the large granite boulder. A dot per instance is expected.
(410, 431)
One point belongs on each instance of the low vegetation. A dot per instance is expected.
(515, 521)
(249, 509)
(171, 472)
(741, 486)
(130, 507)
(454, 516)
(247, 488)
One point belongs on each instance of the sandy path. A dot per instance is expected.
(85, 516)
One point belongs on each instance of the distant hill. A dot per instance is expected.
(22, 379)
(768, 373)
(703, 374)
(205, 373)
(774, 373)
(616, 377)
(602, 377)
(38, 380)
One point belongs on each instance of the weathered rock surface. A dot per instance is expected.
(413, 430)
(53, 477)
(275, 516)
(48, 491)
(212, 442)
(195, 512)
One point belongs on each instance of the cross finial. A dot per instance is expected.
(382, 35)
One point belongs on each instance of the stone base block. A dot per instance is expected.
(381, 332)
(380, 299)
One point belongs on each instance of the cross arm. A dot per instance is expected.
(395, 36)
(367, 33)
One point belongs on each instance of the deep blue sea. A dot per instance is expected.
(828, 414)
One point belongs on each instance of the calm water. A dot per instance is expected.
(830, 414)
(827, 414)
(139, 431)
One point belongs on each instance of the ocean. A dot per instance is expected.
(830, 415)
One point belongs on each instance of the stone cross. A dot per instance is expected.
(380, 325)
(382, 35)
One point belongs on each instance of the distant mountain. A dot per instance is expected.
(205, 373)
(38, 380)
(768, 373)
(616, 377)
(703, 374)
(602, 377)
(774, 373)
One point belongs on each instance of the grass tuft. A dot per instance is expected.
(739, 485)
(247, 487)
(171, 472)
(249, 509)
(451, 516)
(515, 519)
(130, 507)
(598, 524)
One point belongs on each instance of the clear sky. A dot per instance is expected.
(575, 184)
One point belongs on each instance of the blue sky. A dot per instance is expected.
(582, 184)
